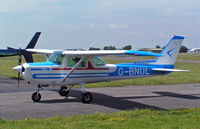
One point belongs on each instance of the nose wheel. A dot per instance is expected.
(36, 97)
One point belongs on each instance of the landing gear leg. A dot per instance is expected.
(86, 96)
(37, 96)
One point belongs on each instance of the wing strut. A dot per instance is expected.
(70, 72)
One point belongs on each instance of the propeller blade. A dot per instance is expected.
(19, 63)
(20, 57)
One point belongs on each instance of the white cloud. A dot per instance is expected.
(92, 25)
(13, 6)
(131, 32)
(113, 26)
(101, 19)
(169, 11)
(119, 26)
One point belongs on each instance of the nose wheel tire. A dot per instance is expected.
(86, 97)
(36, 97)
(63, 91)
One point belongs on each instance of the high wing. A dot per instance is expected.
(42, 51)
(96, 52)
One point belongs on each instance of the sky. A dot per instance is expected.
(67, 24)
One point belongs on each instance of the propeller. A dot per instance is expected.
(19, 68)
(19, 57)
(19, 63)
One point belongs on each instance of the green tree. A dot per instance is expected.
(183, 49)
(93, 48)
(109, 48)
(157, 46)
(127, 47)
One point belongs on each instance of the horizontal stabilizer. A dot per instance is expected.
(169, 70)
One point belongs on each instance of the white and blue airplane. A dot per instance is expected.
(80, 67)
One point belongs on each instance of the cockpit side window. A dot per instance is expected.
(56, 57)
(98, 61)
(71, 61)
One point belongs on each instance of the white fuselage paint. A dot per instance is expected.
(53, 75)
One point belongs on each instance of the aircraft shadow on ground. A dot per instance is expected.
(120, 103)
(177, 95)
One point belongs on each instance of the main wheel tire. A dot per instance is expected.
(86, 97)
(63, 91)
(36, 97)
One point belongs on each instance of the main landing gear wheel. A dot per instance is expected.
(86, 97)
(36, 97)
(63, 91)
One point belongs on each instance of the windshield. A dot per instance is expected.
(56, 57)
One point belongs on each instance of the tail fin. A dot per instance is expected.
(170, 51)
(33, 40)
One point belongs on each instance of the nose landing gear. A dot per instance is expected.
(36, 96)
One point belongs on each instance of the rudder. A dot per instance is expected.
(170, 51)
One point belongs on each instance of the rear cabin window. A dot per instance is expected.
(71, 62)
(98, 61)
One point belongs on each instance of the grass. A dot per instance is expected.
(132, 119)
(189, 56)
(7, 63)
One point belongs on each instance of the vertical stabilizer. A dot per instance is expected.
(170, 51)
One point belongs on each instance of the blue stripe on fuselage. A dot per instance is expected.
(61, 76)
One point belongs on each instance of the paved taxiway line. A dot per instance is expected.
(18, 105)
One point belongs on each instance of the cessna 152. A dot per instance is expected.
(80, 67)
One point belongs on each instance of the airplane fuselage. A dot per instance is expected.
(49, 73)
